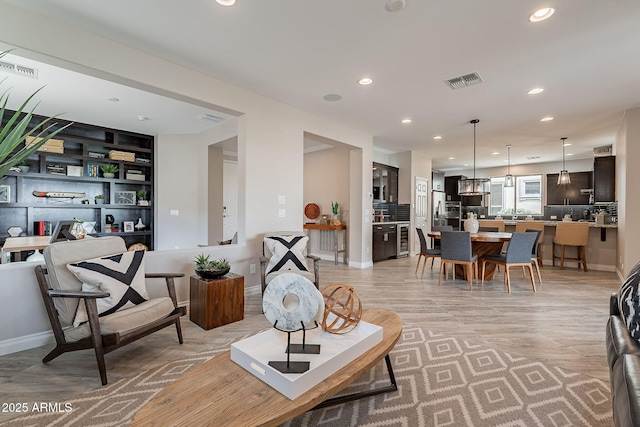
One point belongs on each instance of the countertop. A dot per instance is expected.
(391, 222)
(554, 223)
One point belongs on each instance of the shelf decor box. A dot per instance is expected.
(74, 170)
(336, 351)
(51, 146)
(122, 155)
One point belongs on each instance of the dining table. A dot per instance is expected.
(482, 243)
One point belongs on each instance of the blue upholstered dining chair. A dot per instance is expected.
(455, 248)
(519, 253)
(425, 252)
(534, 252)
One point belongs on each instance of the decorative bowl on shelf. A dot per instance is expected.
(212, 274)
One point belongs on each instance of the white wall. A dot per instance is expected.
(270, 136)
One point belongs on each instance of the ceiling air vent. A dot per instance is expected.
(20, 70)
(209, 117)
(603, 151)
(464, 81)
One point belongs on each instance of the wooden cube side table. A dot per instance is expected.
(216, 302)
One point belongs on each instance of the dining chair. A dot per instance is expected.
(492, 223)
(518, 254)
(425, 252)
(435, 243)
(571, 234)
(534, 252)
(455, 248)
(522, 226)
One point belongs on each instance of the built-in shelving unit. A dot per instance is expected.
(85, 149)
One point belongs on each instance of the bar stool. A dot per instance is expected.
(571, 234)
(492, 223)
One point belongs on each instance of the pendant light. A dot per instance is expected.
(564, 177)
(474, 186)
(508, 178)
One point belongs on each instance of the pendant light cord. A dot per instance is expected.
(475, 122)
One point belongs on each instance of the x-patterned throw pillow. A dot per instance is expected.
(122, 275)
(288, 253)
(629, 302)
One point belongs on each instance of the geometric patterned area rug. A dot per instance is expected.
(442, 381)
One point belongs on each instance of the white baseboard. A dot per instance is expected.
(26, 342)
(365, 264)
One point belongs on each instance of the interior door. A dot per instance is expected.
(421, 210)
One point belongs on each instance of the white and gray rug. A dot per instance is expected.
(443, 381)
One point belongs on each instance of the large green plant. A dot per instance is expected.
(18, 127)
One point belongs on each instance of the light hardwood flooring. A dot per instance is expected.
(563, 324)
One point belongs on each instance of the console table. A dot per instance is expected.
(219, 392)
(336, 229)
(216, 302)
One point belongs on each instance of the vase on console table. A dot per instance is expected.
(471, 224)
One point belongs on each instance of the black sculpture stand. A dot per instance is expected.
(289, 367)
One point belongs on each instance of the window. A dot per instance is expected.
(525, 198)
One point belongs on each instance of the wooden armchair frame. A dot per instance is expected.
(102, 343)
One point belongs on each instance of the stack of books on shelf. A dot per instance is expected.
(56, 170)
(93, 170)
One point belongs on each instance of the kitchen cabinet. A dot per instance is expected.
(385, 241)
(437, 181)
(385, 183)
(569, 194)
(451, 187)
(75, 168)
(604, 179)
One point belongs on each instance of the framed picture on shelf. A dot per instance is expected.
(124, 198)
(5, 193)
(127, 226)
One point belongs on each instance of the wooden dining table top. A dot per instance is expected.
(481, 236)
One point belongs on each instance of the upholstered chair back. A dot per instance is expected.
(520, 248)
(265, 249)
(492, 223)
(59, 254)
(456, 245)
(572, 233)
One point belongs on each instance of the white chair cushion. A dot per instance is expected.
(124, 321)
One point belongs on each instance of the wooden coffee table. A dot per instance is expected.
(219, 392)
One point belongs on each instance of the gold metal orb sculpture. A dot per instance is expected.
(342, 309)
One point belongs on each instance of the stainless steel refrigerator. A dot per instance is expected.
(438, 208)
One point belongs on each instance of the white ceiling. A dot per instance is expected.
(586, 57)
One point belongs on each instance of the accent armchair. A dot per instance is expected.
(94, 292)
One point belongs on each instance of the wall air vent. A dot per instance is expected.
(210, 117)
(464, 81)
(603, 151)
(20, 70)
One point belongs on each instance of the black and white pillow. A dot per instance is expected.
(629, 302)
(122, 275)
(288, 253)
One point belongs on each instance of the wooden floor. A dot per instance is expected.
(563, 324)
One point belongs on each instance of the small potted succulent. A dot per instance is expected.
(24, 166)
(109, 170)
(142, 197)
(211, 269)
(99, 199)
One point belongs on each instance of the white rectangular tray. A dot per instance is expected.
(336, 351)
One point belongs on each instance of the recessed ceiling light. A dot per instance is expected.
(466, 164)
(113, 99)
(546, 119)
(452, 158)
(566, 144)
(535, 91)
(143, 118)
(395, 5)
(541, 14)
(569, 154)
(226, 2)
(332, 97)
(495, 152)
(365, 81)
(406, 121)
